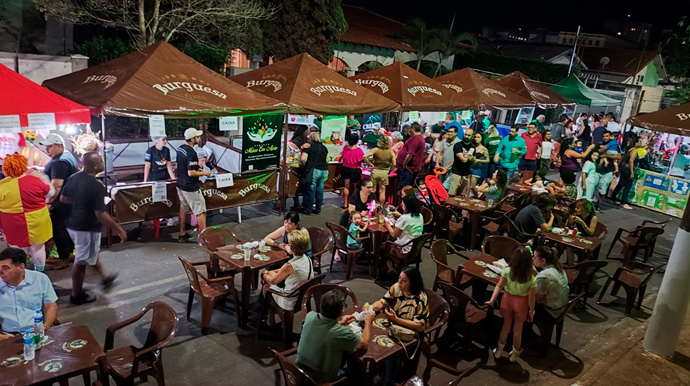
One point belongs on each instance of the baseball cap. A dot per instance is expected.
(53, 139)
(191, 133)
(160, 137)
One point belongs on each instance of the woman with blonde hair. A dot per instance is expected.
(383, 164)
(23, 211)
(315, 160)
(291, 274)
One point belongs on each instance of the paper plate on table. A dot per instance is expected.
(567, 239)
(381, 323)
(262, 257)
(475, 200)
(463, 204)
(480, 263)
(51, 365)
(585, 241)
(490, 274)
(384, 341)
(74, 345)
(237, 256)
(12, 361)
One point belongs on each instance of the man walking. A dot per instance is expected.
(86, 195)
(448, 156)
(533, 143)
(509, 152)
(411, 156)
(188, 173)
(59, 168)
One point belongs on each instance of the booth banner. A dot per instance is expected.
(10, 124)
(371, 122)
(661, 193)
(524, 116)
(135, 203)
(261, 136)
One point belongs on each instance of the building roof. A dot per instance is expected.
(535, 51)
(371, 29)
(628, 62)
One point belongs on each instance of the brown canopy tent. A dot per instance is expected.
(308, 86)
(411, 89)
(159, 79)
(537, 92)
(476, 91)
(674, 120)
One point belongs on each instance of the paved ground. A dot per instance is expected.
(149, 270)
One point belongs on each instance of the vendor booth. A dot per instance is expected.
(161, 82)
(572, 88)
(477, 92)
(309, 87)
(663, 183)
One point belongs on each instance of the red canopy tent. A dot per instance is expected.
(20, 96)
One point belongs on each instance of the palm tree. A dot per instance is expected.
(447, 44)
(419, 37)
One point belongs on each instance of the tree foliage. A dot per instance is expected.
(681, 93)
(420, 38)
(100, 49)
(676, 50)
(215, 23)
(539, 70)
(303, 26)
(447, 44)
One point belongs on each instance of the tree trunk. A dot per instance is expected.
(438, 67)
(674, 294)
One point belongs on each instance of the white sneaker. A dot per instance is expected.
(497, 353)
(514, 355)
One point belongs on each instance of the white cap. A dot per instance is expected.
(191, 133)
(53, 139)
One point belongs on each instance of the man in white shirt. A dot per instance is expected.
(545, 153)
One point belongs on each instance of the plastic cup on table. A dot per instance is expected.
(247, 254)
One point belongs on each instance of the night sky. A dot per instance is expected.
(472, 16)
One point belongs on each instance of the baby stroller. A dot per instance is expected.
(437, 193)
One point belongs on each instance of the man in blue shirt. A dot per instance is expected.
(598, 133)
(23, 292)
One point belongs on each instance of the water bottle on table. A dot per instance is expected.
(29, 346)
(39, 328)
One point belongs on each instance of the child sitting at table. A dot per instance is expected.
(585, 220)
(517, 305)
(356, 226)
(565, 187)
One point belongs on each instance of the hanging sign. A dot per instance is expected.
(224, 180)
(42, 121)
(229, 123)
(524, 116)
(371, 122)
(441, 116)
(414, 116)
(10, 124)
(156, 126)
(159, 191)
(261, 136)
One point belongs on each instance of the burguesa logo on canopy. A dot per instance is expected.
(453, 87)
(683, 116)
(423, 89)
(109, 80)
(327, 88)
(539, 94)
(373, 83)
(190, 86)
(266, 83)
(490, 91)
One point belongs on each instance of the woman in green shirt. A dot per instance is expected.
(491, 141)
(517, 305)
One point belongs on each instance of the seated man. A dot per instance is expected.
(531, 218)
(326, 337)
(22, 292)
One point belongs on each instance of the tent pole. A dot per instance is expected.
(285, 168)
(103, 136)
(572, 57)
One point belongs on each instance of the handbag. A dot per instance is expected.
(403, 335)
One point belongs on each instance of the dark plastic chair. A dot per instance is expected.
(414, 256)
(321, 242)
(444, 273)
(340, 245)
(286, 316)
(634, 282)
(436, 359)
(546, 329)
(650, 248)
(448, 224)
(500, 247)
(295, 376)
(210, 239)
(212, 292)
(581, 275)
(513, 232)
(428, 217)
(466, 314)
(641, 238)
(124, 364)
(315, 292)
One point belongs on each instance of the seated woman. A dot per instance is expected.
(290, 223)
(552, 285)
(291, 274)
(585, 220)
(406, 305)
(565, 187)
(409, 225)
(493, 188)
(358, 200)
